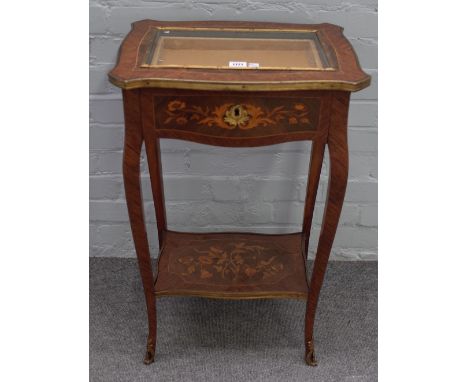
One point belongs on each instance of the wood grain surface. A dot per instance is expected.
(235, 265)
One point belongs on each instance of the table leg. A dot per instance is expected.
(337, 181)
(131, 175)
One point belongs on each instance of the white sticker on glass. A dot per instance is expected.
(237, 64)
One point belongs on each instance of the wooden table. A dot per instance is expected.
(235, 84)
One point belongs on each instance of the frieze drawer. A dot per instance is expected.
(233, 117)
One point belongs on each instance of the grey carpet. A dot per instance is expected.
(218, 340)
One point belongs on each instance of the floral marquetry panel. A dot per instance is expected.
(232, 265)
(235, 117)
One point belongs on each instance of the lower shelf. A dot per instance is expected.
(231, 266)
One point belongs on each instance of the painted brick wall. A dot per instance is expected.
(214, 189)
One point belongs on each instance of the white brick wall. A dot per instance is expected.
(213, 189)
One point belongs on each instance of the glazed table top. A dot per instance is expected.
(239, 56)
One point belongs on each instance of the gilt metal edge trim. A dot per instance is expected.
(224, 67)
(258, 86)
(232, 295)
(236, 29)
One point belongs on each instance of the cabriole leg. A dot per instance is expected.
(131, 174)
(338, 176)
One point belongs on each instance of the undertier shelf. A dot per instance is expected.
(232, 265)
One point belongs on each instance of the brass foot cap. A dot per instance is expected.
(149, 358)
(310, 358)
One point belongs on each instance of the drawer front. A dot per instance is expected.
(236, 117)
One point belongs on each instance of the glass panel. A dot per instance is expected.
(236, 49)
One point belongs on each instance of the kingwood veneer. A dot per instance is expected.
(287, 82)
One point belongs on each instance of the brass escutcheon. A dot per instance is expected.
(236, 115)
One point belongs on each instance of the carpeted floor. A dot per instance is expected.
(218, 340)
